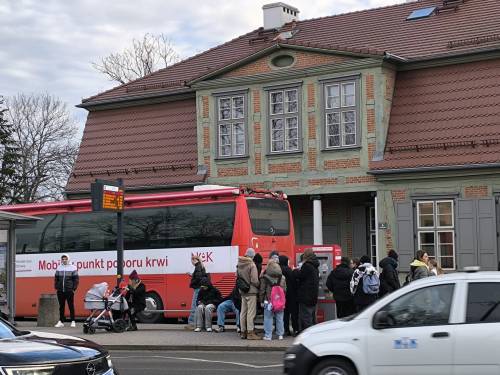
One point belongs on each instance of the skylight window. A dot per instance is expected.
(421, 13)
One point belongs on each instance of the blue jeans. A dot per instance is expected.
(268, 323)
(225, 307)
(193, 306)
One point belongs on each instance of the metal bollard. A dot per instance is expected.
(48, 310)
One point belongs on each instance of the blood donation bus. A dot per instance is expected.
(161, 232)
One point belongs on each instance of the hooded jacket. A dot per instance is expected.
(247, 270)
(389, 279)
(419, 270)
(291, 281)
(66, 278)
(198, 273)
(308, 279)
(360, 297)
(208, 293)
(338, 283)
(272, 276)
(137, 297)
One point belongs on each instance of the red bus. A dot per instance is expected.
(161, 231)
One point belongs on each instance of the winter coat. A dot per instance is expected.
(198, 273)
(338, 283)
(137, 297)
(271, 277)
(66, 278)
(247, 270)
(291, 281)
(389, 279)
(210, 295)
(235, 297)
(360, 297)
(308, 280)
(419, 270)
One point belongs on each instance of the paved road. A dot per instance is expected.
(206, 363)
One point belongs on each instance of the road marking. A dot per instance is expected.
(203, 360)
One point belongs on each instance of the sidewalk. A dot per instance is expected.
(167, 337)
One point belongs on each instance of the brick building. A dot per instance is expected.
(381, 126)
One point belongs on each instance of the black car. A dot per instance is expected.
(37, 353)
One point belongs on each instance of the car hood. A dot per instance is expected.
(328, 326)
(41, 347)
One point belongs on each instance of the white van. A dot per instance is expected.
(445, 325)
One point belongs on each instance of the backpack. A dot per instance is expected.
(371, 284)
(278, 299)
(242, 284)
(408, 279)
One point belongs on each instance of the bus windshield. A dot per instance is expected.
(269, 216)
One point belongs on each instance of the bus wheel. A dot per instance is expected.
(153, 302)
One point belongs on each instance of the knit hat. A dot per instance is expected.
(274, 258)
(250, 253)
(134, 275)
(274, 253)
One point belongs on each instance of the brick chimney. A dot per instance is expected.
(277, 14)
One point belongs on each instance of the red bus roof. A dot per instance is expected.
(79, 205)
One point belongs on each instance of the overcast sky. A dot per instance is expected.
(48, 46)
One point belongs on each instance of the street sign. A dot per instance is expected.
(107, 196)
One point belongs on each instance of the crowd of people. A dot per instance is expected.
(285, 297)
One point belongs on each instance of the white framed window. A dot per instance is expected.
(341, 123)
(231, 126)
(436, 231)
(284, 120)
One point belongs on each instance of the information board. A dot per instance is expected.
(107, 196)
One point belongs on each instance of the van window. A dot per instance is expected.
(483, 303)
(423, 307)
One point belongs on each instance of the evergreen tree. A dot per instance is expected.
(8, 157)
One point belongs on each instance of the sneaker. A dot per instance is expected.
(59, 324)
(280, 337)
(197, 329)
(238, 329)
(219, 329)
(266, 338)
(73, 324)
(209, 329)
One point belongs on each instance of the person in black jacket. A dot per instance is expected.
(198, 273)
(291, 305)
(136, 298)
(231, 303)
(307, 292)
(389, 279)
(209, 298)
(338, 283)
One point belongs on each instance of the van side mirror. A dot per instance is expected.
(383, 319)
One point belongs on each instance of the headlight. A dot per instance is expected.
(110, 363)
(47, 370)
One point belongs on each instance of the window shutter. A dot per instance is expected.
(487, 239)
(405, 243)
(359, 238)
(466, 229)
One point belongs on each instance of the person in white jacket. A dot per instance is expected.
(65, 283)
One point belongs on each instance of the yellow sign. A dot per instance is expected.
(112, 198)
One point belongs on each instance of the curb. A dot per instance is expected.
(192, 348)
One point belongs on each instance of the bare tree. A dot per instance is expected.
(45, 137)
(153, 52)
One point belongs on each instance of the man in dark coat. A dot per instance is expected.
(136, 298)
(338, 283)
(291, 306)
(307, 292)
(209, 298)
(389, 279)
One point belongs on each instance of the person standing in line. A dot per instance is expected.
(65, 283)
(389, 278)
(272, 277)
(248, 284)
(258, 260)
(419, 268)
(198, 274)
(136, 297)
(291, 307)
(307, 293)
(338, 283)
(209, 298)
(435, 268)
(365, 284)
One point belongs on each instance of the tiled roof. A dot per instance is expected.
(473, 25)
(151, 145)
(446, 116)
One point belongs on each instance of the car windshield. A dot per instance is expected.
(7, 331)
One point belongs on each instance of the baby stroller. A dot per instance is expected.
(103, 307)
